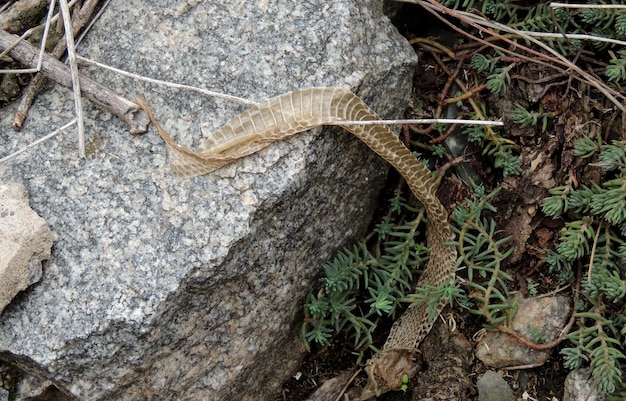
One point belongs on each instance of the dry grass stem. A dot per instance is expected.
(71, 52)
(169, 84)
(81, 17)
(99, 94)
(49, 21)
(252, 103)
(566, 5)
(419, 121)
(46, 29)
(580, 36)
(38, 141)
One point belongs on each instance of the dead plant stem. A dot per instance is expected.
(102, 96)
(71, 53)
(82, 16)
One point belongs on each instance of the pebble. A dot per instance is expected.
(492, 387)
(579, 387)
(546, 315)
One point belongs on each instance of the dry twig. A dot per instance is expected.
(484, 25)
(81, 16)
(95, 92)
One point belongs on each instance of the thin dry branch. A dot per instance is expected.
(81, 17)
(29, 32)
(486, 26)
(102, 96)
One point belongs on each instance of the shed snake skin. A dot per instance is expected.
(285, 115)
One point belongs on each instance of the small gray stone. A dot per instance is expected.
(579, 387)
(331, 387)
(492, 387)
(4, 394)
(161, 289)
(545, 316)
(25, 241)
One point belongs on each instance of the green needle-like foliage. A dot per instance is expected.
(616, 70)
(359, 287)
(498, 81)
(600, 22)
(364, 284)
(482, 254)
(501, 150)
(613, 157)
(527, 118)
(596, 236)
(482, 63)
(575, 239)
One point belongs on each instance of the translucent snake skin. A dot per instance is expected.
(301, 110)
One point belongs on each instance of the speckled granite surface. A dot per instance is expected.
(160, 289)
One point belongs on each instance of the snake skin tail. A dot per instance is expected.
(285, 115)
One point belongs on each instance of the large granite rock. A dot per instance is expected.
(161, 289)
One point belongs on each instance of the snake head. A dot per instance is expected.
(386, 370)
